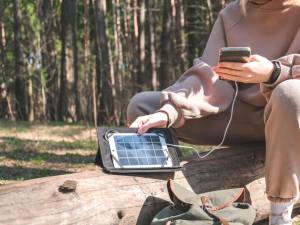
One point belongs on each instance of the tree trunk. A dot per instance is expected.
(118, 44)
(113, 116)
(69, 75)
(179, 33)
(2, 39)
(135, 49)
(104, 87)
(87, 109)
(30, 96)
(164, 71)
(48, 53)
(94, 58)
(77, 85)
(152, 23)
(119, 68)
(20, 81)
(6, 110)
(3, 85)
(107, 199)
(209, 15)
(142, 42)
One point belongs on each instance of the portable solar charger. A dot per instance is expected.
(123, 150)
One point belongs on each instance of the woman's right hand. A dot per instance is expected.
(155, 120)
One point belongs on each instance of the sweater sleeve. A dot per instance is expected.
(198, 92)
(290, 69)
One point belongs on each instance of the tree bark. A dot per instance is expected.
(2, 39)
(68, 107)
(49, 61)
(135, 49)
(104, 75)
(142, 46)
(87, 109)
(179, 33)
(108, 199)
(119, 68)
(6, 110)
(152, 23)
(118, 44)
(20, 81)
(113, 115)
(30, 96)
(3, 85)
(164, 70)
(209, 15)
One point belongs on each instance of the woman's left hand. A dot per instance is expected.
(257, 70)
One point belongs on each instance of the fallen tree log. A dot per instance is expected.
(106, 199)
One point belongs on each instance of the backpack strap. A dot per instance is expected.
(181, 196)
(206, 206)
(239, 197)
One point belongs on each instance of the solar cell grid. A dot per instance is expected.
(134, 150)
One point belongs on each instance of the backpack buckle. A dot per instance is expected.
(206, 203)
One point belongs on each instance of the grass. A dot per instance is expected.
(32, 150)
(48, 145)
(37, 160)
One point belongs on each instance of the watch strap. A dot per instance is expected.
(276, 72)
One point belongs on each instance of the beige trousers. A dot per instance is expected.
(277, 124)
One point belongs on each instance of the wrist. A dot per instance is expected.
(166, 116)
(275, 72)
(172, 112)
(271, 70)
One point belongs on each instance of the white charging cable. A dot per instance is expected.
(225, 132)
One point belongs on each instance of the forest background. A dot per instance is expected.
(82, 60)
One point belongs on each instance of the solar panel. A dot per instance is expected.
(130, 150)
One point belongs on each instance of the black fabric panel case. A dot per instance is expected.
(104, 159)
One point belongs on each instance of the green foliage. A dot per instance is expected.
(41, 65)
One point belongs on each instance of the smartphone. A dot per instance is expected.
(234, 54)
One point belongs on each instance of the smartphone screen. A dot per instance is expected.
(234, 54)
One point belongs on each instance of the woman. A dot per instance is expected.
(268, 104)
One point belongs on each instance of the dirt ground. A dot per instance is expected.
(32, 150)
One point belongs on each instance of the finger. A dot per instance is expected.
(230, 71)
(139, 121)
(142, 130)
(168, 223)
(150, 124)
(234, 78)
(135, 123)
(143, 127)
(146, 126)
(232, 65)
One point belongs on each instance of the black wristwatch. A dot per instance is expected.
(276, 72)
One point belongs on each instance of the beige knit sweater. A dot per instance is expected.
(271, 30)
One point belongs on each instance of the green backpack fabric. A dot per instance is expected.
(211, 208)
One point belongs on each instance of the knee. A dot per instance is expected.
(286, 98)
(141, 104)
(133, 109)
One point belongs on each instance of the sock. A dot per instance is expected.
(281, 213)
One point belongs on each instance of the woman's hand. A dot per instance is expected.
(144, 123)
(257, 70)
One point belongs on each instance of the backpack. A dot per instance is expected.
(227, 207)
